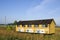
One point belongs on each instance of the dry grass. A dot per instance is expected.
(13, 35)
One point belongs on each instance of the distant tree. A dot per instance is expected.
(15, 22)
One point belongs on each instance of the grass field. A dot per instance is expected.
(13, 35)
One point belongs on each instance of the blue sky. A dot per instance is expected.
(29, 10)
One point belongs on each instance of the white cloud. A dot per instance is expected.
(56, 10)
(46, 9)
(57, 20)
(40, 8)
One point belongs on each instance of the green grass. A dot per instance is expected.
(11, 34)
